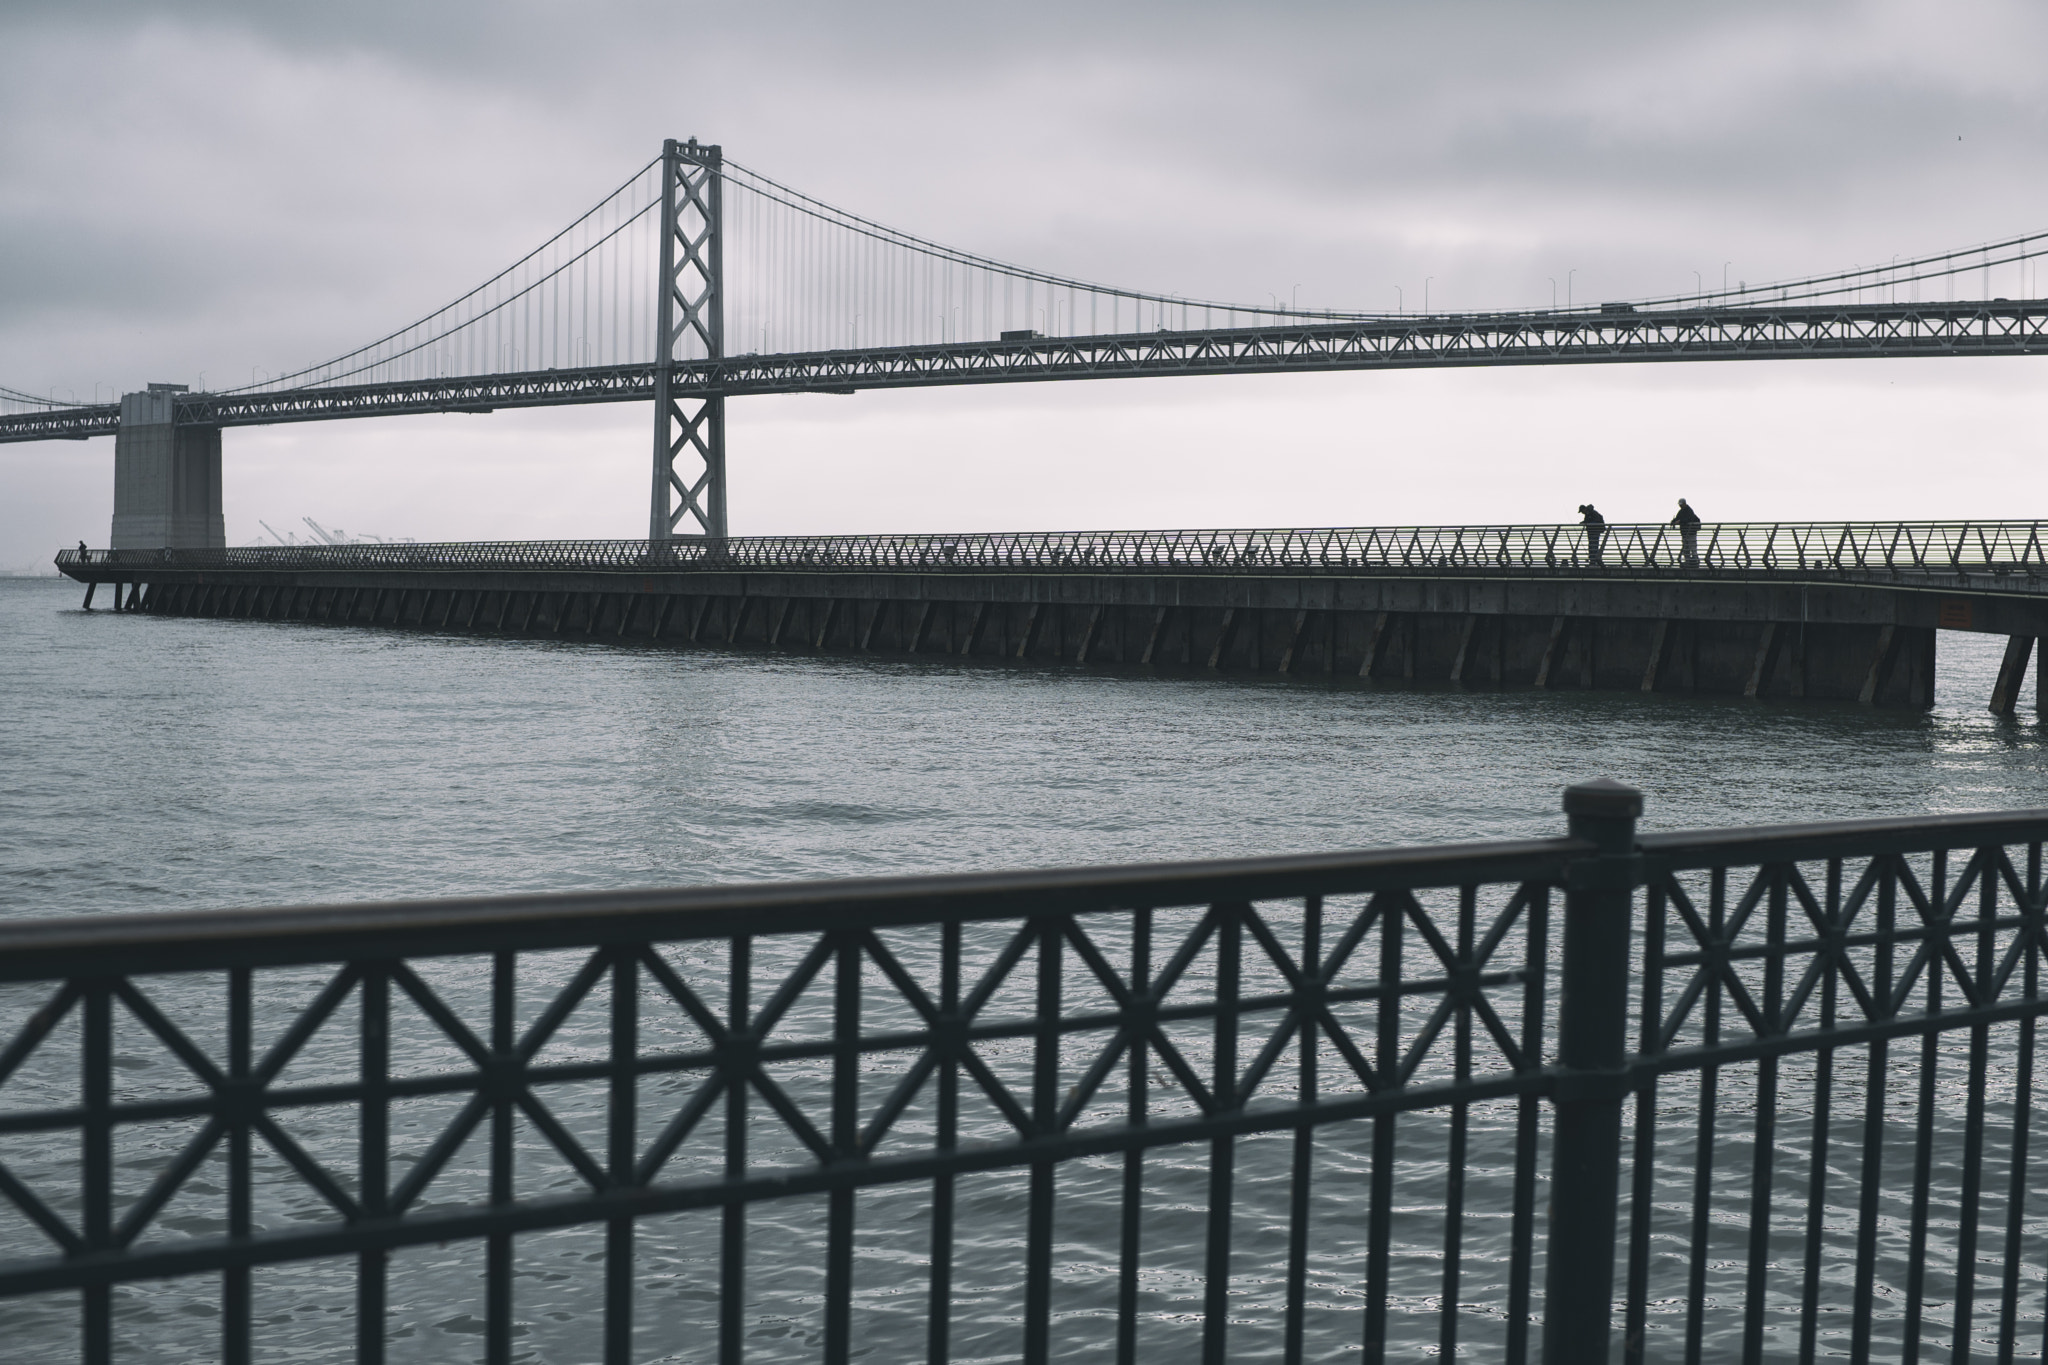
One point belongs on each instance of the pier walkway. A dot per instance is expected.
(1806, 609)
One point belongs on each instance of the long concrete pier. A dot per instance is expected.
(1763, 615)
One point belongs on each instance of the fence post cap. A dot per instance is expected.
(1603, 796)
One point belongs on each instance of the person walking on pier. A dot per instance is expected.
(1596, 531)
(83, 554)
(1688, 523)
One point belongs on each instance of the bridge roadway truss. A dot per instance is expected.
(1583, 338)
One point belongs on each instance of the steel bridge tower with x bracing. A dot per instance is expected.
(689, 432)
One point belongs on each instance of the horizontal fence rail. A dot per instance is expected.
(1942, 547)
(1746, 1094)
(1560, 337)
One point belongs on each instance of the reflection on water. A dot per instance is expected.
(168, 763)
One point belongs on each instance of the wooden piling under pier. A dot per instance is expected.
(1842, 641)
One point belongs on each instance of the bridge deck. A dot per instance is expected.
(1785, 332)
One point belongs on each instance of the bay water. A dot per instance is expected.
(159, 763)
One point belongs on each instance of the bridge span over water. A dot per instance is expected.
(700, 279)
(1821, 610)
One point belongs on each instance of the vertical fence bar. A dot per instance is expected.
(1592, 1040)
(1454, 1162)
(498, 1249)
(1705, 1133)
(373, 1145)
(1136, 1112)
(1311, 960)
(1875, 1091)
(2022, 1106)
(1528, 1120)
(1764, 1142)
(732, 1254)
(1823, 1118)
(1642, 1197)
(235, 1281)
(621, 1134)
(1969, 1213)
(1045, 1101)
(96, 1057)
(1923, 1148)
(1222, 1149)
(946, 1136)
(845, 1146)
(1379, 1226)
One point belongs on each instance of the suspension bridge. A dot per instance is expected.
(698, 280)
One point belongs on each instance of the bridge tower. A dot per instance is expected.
(166, 477)
(689, 433)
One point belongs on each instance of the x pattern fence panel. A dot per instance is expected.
(1830, 1143)
(694, 1070)
(1288, 1109)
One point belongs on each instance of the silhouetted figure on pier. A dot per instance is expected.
(1688, 523)
(1596, 531)
(83, 553)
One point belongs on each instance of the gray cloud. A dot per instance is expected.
(386, 153)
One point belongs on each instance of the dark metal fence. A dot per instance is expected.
(1943, 547)
(1754, 1094)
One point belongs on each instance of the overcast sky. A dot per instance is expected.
(195, 192)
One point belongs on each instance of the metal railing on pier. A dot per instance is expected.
(1939, 547)
(1742, 1093)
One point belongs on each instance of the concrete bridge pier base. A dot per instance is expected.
(2012, 673)
(166, 477)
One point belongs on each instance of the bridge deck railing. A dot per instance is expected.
(1731, 1092)
(1747, 547)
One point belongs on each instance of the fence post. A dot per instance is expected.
(1592, 1042)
